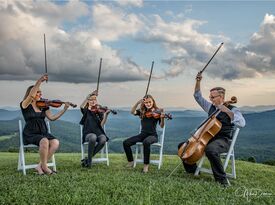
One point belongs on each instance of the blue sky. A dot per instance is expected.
(180, 36)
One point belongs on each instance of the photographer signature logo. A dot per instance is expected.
(248, 194)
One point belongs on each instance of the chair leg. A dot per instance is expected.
(136, 156)
(102, 153)
(141, 152)
(226, 161)
(199, 166)
(82, 151)
(23, 164)
(233, 167)
(19, 166)
(107, 154)
(160, 158)
(54, 165)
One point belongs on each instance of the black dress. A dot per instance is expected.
(91, 123)
(35, 128)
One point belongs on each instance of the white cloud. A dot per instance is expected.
(113, 23)
(72, 56)
(190, 49)
(134, 3)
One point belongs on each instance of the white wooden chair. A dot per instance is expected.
(229, 155)
(104, 154)
(21, 158)
(159, 144)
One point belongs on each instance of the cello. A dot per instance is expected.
(192, 150)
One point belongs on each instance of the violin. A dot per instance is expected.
(157, 113)
(45, 103)
(192, 150)
(102, 109)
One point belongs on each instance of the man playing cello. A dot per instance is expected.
(229, 117)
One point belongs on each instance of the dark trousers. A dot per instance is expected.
(94, 148)
(146, 139)
(212, 151)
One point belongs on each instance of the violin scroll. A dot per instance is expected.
(233, 100)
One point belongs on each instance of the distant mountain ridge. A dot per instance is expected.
(258, 108)
(257, 139)
(74, 115)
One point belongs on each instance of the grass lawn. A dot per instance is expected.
(255, 184)
(5, 137)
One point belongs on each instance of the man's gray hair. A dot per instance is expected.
(219, 89)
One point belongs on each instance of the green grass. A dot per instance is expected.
(118, 185)
(6, 137)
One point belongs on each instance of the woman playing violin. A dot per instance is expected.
(93, 120)
(35, 130)
(229, 117)
(148, 134)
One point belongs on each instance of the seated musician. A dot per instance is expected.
(148, 134)
(35, 131)
(93, 121)
(229, 117)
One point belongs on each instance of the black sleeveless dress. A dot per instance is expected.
(35, 128)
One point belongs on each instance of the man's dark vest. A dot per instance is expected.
(227, 127)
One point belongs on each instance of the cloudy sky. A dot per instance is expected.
(178, 36)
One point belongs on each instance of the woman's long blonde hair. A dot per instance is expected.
(28, 91)
(143, 108)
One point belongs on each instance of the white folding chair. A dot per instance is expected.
(21, 158)
(229, 155)
(159, 144)
(104, 154)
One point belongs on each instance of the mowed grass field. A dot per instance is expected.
(255, 183)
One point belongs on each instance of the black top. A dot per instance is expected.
(35, 126)
(148, 125)
(91, 122)
(227, 127)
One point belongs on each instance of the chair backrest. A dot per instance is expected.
(48, 126)
(234, 138)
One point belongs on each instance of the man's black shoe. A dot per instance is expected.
(84, 162)
(225, 183)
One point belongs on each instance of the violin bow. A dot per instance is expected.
(212, 57)
(45, 52)
(152, 66)
(97, 87)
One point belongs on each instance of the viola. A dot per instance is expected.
(45, 103)
(102, 109)
(192, 150)
(157, 113)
